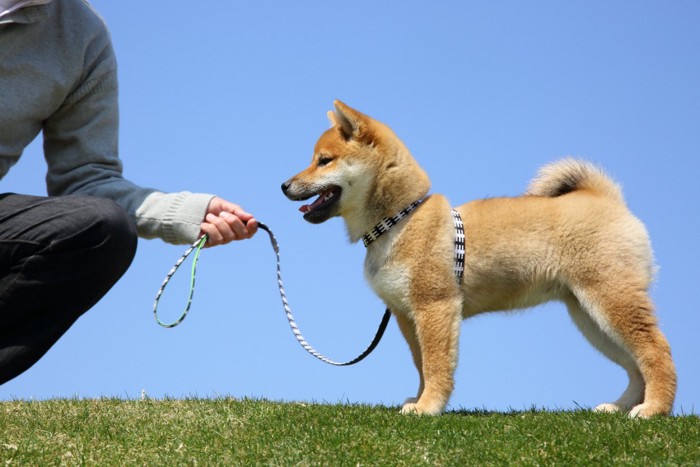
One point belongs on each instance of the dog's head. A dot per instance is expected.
(359, 170)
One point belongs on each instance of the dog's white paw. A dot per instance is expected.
(409, 407)
(416, 407)
(646, 410)
(608, 408)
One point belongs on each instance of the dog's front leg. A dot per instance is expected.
(408, 329)
(437, 331)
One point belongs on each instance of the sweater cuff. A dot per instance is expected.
(174, 217)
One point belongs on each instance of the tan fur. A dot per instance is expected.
(569, 238)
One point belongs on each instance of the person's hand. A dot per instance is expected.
(226, 222)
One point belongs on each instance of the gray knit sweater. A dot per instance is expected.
(58, 75)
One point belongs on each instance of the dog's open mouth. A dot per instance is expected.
(320, 208)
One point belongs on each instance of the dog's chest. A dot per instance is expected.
(389, 279)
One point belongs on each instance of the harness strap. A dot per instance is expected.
(459, 245)
(388, 222)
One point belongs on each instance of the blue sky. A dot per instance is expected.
(229, 98)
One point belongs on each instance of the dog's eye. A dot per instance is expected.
(324, 161)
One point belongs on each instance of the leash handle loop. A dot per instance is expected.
(197, 248)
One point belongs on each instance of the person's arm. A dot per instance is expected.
(81, 149)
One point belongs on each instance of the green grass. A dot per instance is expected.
(257, 432)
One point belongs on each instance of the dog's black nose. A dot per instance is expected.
(285, 186)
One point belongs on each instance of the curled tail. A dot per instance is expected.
(567, 175)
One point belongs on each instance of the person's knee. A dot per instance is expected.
(102, 251)
(112, 233)
(82, 248)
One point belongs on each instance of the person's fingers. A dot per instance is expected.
(235, 225)
(226, 222)
(252, 227)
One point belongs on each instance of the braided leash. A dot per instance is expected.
(382, 227)
(197, 247)
(295, 329)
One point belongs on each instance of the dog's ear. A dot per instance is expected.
(350, 122)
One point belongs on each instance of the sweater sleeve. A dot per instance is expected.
(174, 217)
(81, 150)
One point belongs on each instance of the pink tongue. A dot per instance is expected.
(310, 207)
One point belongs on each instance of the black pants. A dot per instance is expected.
(58, 257)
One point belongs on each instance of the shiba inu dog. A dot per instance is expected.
(570, 238)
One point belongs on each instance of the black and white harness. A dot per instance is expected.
(388, 222)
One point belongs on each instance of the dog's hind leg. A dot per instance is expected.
(634, 394)
(437, 332)
(408, 329)
(624, 328)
